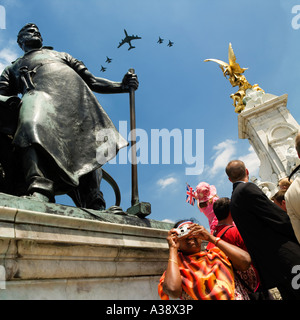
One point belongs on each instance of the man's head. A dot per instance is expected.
(284, 183)
(222, 208)
(237, 171)
(278, 199)
(29, 36)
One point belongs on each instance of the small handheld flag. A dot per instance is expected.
(190, 196)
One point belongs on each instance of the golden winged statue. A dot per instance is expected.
(234, 73)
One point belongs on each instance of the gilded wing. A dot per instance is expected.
(224, 66)
(235, 67)
(231, 55)
(222, 63)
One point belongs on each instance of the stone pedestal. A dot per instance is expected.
(271, 130)
(56, 256)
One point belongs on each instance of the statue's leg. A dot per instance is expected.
(38, 185)
(89, 191)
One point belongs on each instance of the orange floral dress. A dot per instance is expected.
(207, 275)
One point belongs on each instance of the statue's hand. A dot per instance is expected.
(14, 102)
(129, 81)
(10, 102)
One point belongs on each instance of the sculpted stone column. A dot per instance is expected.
(270, 128)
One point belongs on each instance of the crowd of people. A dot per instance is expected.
(253, 243)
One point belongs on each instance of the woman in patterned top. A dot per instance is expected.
(200, 275)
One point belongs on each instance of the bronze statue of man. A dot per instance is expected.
(59, 120)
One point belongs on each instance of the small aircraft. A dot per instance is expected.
(128, 39)
(102, 69)
(108, 60)
(160, 40)
(170, 44)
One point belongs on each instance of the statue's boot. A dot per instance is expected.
(87, 194)
(39, 197)
(39, 187)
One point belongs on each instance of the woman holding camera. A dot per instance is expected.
(193, 273)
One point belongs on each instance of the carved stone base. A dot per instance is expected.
(61, 254)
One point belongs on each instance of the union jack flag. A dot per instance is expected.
(190, 196)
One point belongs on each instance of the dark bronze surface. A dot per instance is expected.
(55, 135)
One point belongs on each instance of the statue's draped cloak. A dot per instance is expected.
(60, 113)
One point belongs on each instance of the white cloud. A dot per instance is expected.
(227, 151)
(224, 153)
(7, 56)
(168, 221)
(251, 161)
(166, 182)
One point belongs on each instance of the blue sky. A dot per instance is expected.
(178, 90)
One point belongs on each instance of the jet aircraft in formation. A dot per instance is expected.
(128, 40)
(170, 44)
(160, 40)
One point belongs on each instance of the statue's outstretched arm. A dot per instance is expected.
(101, 85)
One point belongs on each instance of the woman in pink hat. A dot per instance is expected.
(206, 195)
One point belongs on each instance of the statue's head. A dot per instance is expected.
(30, 36)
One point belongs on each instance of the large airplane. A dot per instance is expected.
(128, 39)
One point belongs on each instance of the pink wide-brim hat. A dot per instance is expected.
(204, 191)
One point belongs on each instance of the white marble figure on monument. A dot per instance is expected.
(291, 156)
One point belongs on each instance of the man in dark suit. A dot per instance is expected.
(266, 230)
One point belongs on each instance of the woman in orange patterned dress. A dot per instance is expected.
(200, 275)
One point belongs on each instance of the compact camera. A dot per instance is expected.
(183, 230)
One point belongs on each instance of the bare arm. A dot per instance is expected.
(239, 258)
(172, 282)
